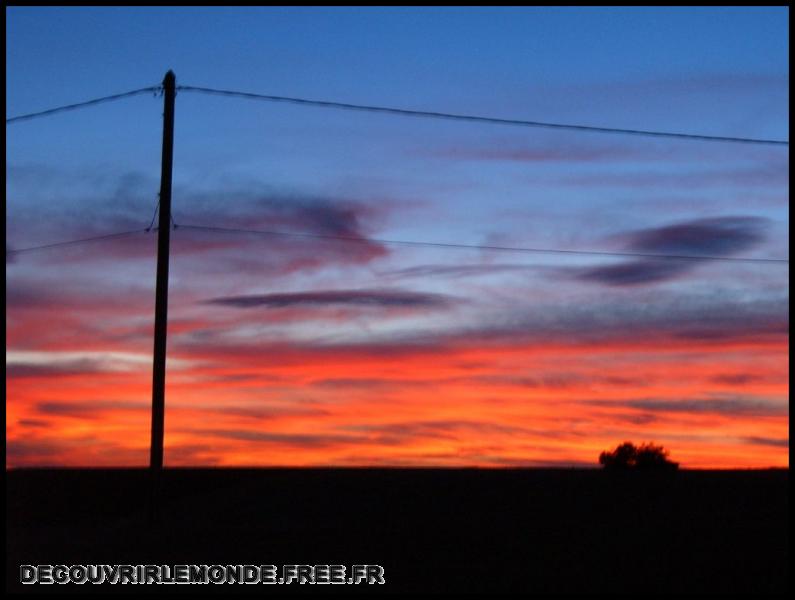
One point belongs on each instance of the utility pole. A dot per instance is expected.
(161, 292)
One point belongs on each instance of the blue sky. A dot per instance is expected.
(238, 163)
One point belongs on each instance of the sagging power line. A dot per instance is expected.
(79, 241)
(478, 119)
(370, 240)
(94, 102)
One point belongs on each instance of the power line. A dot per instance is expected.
(479, 119)
(52, 111)
(483, 247)
(80, 241)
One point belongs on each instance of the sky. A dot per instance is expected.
(299, 351)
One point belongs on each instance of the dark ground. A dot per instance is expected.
(461, 530)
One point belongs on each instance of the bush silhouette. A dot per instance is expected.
(647, 457)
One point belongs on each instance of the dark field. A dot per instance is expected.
(462, 530)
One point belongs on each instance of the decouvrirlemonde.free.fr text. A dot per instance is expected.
(165, 574)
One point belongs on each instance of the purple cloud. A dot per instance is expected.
(88, 409)
(62, 368)
(133, 201)
(717, 236)
(722, 236)
(636, 272)
(366, 298)
(737, 379)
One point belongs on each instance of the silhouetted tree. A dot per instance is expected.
(646, 457)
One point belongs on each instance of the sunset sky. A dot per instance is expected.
(305, 351)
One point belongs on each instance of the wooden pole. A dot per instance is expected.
(161, 292)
